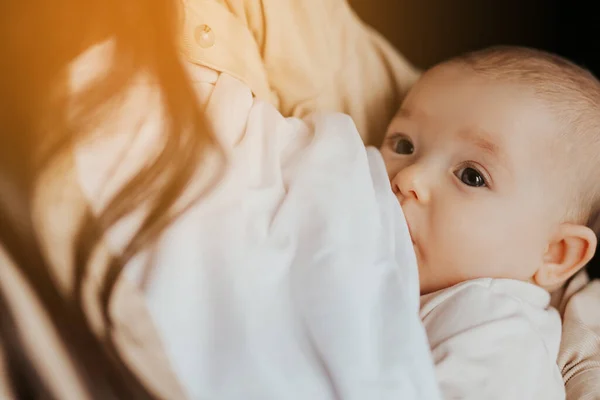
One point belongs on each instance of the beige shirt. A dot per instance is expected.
(302, 56)
(494, 339)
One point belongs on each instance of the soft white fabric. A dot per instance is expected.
(494, 339)
(295, 278)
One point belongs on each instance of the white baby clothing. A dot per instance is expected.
(494, 339)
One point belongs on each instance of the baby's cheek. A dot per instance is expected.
(472, 242)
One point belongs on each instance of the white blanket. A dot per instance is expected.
(295, 278)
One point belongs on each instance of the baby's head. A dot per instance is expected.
(494, 158)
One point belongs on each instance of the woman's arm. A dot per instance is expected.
(579, 356)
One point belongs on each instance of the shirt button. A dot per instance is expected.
(204, 36)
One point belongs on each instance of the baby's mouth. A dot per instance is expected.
(418, 253)
(415, 243)
(410, 233)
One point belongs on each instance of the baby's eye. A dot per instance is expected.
(403, 146)
(471, 177)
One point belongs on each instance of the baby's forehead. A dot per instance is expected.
(455, 77)
(455, 109)
(455, 99)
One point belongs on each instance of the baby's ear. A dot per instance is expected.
(571, 248)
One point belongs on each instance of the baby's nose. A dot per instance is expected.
(410, 183)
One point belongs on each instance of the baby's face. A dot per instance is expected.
(471, 162)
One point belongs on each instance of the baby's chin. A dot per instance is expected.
(429, 280)
(428, 285)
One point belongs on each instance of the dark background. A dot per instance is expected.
(429, 31)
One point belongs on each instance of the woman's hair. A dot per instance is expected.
(38, 41)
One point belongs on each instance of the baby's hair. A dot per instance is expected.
(573, 94)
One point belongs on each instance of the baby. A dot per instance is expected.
(494, 158)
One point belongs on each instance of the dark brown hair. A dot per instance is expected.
(38, 41)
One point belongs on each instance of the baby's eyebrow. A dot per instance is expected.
(482, 139)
